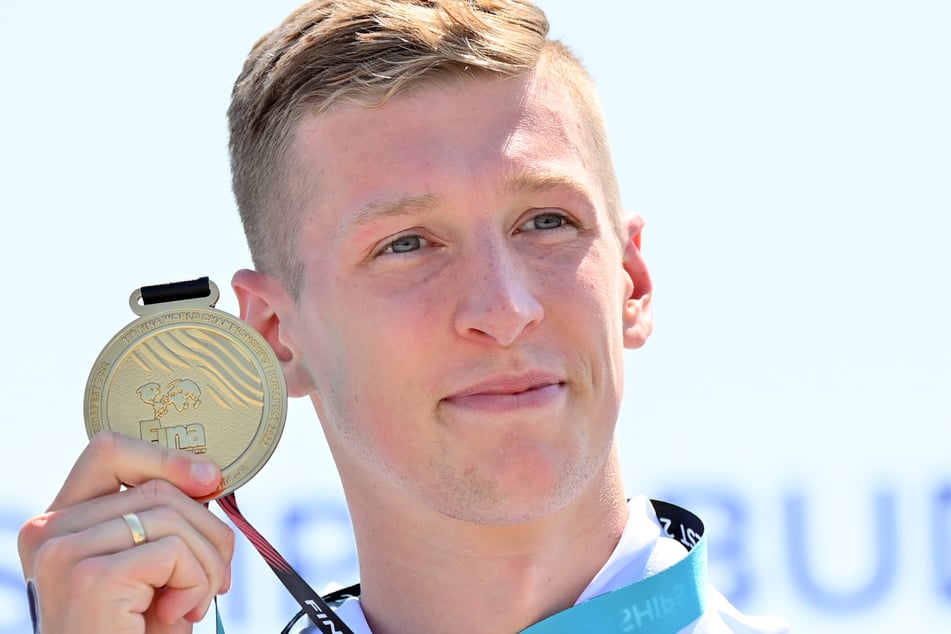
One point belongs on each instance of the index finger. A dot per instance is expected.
(112, 460)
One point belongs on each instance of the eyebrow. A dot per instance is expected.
(534, 180)
(380, 209)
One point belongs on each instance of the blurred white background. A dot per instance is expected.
(793, 159)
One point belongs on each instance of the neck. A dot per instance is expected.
(427, 572)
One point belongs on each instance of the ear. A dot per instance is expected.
(270, 309)
(638, 318)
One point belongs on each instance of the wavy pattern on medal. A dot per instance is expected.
(234, 377)
(234, 373)
(147, 359)
(232, 381)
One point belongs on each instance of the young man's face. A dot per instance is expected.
(462, 313)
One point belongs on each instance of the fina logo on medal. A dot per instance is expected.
(183, 395)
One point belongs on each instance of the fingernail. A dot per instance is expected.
(204, 473)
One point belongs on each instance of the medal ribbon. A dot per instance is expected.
(322, 616)
(663, 603)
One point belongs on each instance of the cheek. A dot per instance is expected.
(595, 295)
(367, 359)
(592, 308)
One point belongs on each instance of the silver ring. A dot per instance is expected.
(135, 527)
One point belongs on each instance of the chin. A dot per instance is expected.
(504, 514)
(529, 493)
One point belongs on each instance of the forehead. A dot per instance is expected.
(456, 137)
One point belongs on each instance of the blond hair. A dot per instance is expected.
(366, 52)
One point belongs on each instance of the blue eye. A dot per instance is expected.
(404, 244)
(548, 221)
(543, 222)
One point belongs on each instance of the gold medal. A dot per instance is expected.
(188, 376)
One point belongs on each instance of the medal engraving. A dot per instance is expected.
(188, 376)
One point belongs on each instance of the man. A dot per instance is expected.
(444, 269)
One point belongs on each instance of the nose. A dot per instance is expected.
(496, 300)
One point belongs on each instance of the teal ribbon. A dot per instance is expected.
(663, 603)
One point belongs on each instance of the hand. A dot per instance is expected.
(89, 576)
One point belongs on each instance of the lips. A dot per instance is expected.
(508, 393)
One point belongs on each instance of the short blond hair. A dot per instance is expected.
(367, 52)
